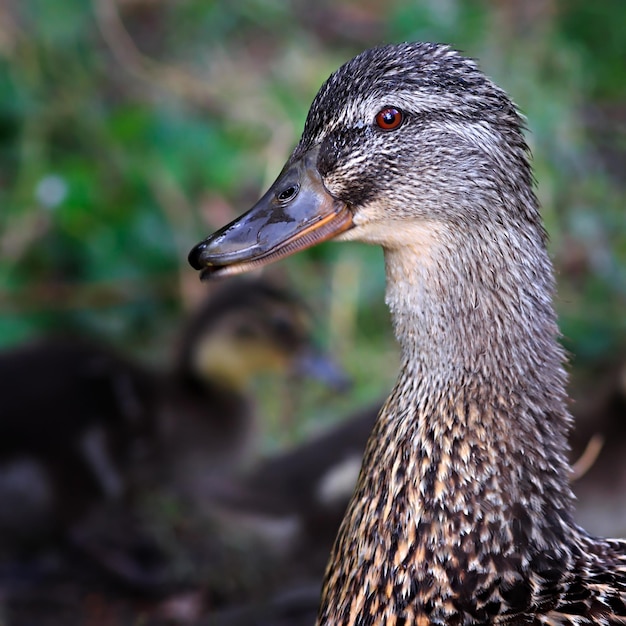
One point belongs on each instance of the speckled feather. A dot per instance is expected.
(463, 510)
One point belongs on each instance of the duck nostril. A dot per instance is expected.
(287, 194)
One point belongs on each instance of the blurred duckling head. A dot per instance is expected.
(250, 327)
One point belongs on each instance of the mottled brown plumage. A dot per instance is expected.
(463, 512)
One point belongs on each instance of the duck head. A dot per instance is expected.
(246, 328)
(400, 143)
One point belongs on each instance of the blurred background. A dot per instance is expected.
(131, 129)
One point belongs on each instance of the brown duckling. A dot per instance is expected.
(463, 512)
(598, 442)
(295, 499)
(244, 329)
(72, 411)
(75, 413)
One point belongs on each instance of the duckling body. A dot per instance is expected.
(463, 513)
(81, 425)
(295, 499)
(71, 411)
(246, 328)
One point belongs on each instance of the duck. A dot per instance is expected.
(72, 410)
(463, 512)
(599, 407)
(88, 432)
(245, 329)
(293, 500)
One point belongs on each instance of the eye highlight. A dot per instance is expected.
(389, 118)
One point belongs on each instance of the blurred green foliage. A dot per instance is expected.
(127, 134)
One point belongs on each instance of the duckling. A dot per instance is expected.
(463, 512)
(295, 499)
(71, 411)
(599, 407)
(246, 328)
(75, 412)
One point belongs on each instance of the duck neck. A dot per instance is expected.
(481, 396)
(464, 485)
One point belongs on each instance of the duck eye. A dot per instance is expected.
(389, 118)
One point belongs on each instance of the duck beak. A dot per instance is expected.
(322, 368)
(296, 213)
